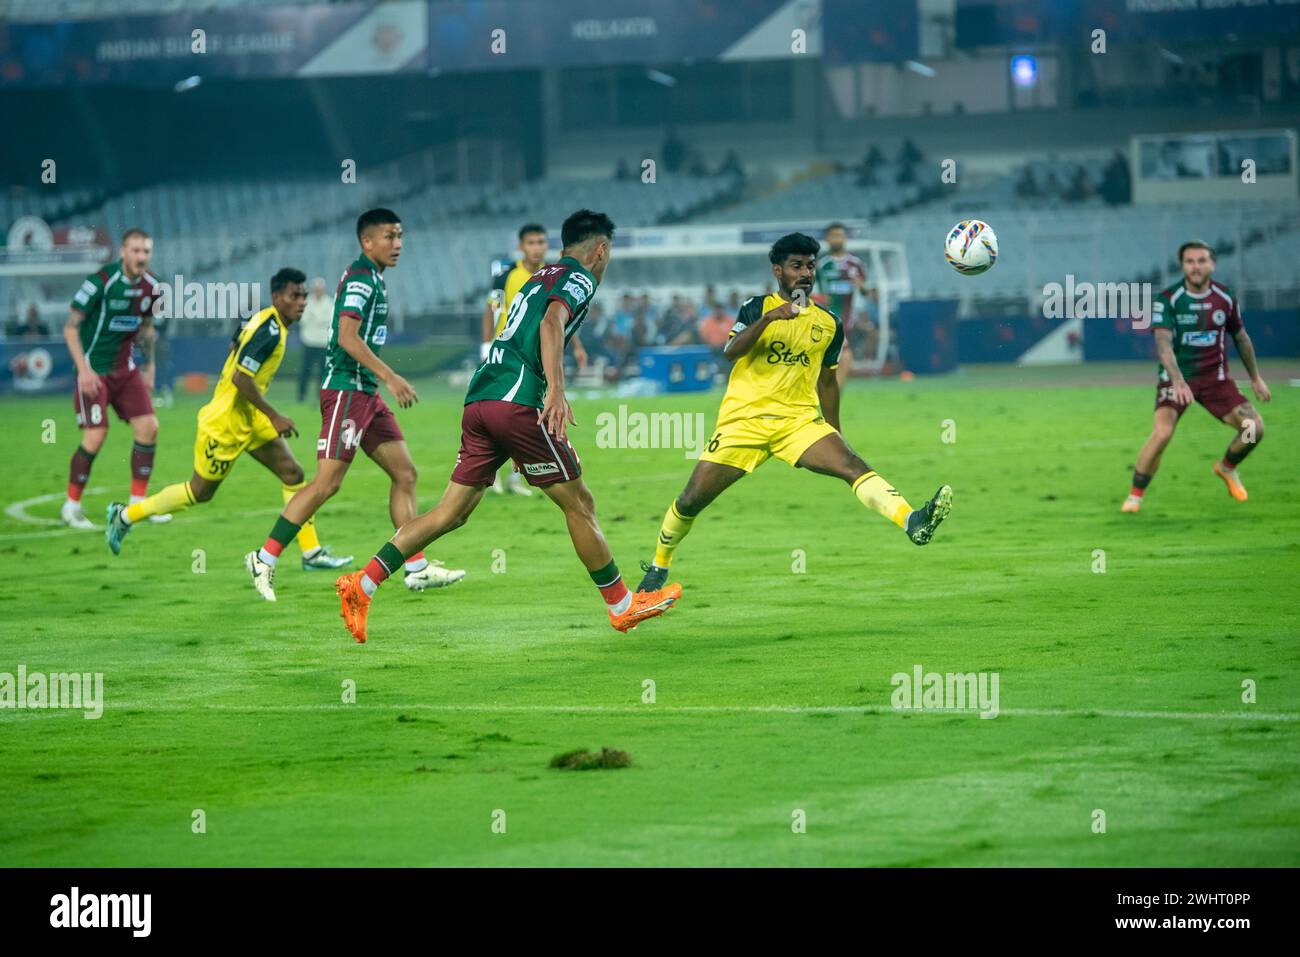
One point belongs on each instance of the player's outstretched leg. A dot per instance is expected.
(831, 455)
(626, 610)
(355, 590)
(1250, 430)
(1148, 460)
(278, 458)
(708, 480)
(167, 501)
(395, 459)
(305, 503)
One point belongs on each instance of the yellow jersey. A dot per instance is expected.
(506, 283)
(777, 377)
(256, 350)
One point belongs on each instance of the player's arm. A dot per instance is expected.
(355, 346)
(828, 383)
(148, 342)
(1165, 352)
(555, 414)
(87, 378)
(743, 340)
(248, 390)
(1246, 349)
(828, 395)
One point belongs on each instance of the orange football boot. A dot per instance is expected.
(356, 604)
(1230, 479)
(646, 604)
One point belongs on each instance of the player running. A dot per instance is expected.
(240, 419)
(1191, 321)
(508, 277)
(516, 408)
(353, 415)
(784, 356)
(106, 315)
(839, 275)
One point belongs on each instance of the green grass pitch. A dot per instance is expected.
(1119, 691)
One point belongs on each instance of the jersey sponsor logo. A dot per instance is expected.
(354, 302)
(249, 363)
(1219, 317)
(1204, 337)
(577, 290)
(782, 354)
(124, 323)
(541, 468)
(116, 304)
(364, 288)
(380, 335)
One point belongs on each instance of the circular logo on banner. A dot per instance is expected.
(30, 233)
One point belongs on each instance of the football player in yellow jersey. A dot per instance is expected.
(507, 280)
(240, 419)
(783, 400)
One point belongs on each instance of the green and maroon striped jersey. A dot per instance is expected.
(361, 297)
(113, 306)
(513, 369)
(1201, 324)
(836, 279)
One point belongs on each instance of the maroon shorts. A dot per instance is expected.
(492, 431)
(350, 419)
(123, 389)
(1219, 396)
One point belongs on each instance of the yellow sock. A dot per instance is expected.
(174, 498)
(674, 529)
(307, 540)
(879, 496)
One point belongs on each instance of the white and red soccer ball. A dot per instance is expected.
(971, 247)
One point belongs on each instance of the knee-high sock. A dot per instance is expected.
(141, 466)
(879, 496)
(173, 498)
(307, 540)
(79, 473)
(671, 533)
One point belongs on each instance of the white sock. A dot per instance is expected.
(367, 585)
(418, 565)
(622, 605)
(266, 556)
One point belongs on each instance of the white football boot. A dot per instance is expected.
(433, 575)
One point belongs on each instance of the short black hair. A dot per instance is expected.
(375, 217)
(1195, 244)
(287, 276)
(791, 244)
(528, 229)
(835, 226)
(584, 224)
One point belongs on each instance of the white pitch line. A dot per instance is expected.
(18, 510)
(718, 709)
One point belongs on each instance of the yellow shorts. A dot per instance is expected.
(748, 443)
(216, 448)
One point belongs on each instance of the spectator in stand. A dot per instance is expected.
(715, 327)
(1027, 184)
(314, 333)
(731, 166)
(1116, 185)
(30, 326)
(673, 152)
(1080, 187)
(622, 171)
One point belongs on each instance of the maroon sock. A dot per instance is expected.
(79, 473)
(141, 466)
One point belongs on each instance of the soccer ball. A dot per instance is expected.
(971, 247)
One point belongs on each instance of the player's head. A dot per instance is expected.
(136, 251)
(794, 264)
(289, 294)
(532, 242)
(379, 231)
(836, 236)
(589, 238)
(1197, 260)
